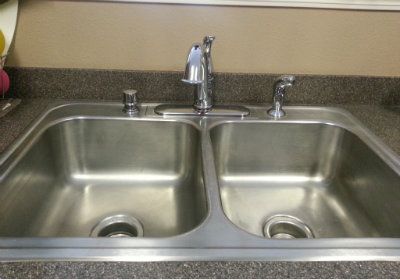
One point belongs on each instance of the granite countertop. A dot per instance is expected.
(306, 270)
(382, 120)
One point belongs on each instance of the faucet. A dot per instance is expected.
(280, 87)
(199, 72)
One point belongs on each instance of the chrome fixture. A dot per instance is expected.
(286, 227)
(199, 73)
(217, 111)
(280, 87)
(120, 225)
(130, 102)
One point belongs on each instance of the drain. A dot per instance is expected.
(118, 226)
(286, 227)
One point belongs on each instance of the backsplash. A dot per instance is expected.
(116, 35)
(156, 86)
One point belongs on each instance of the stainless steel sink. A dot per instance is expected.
(321, 174)
(314, 185)
(78, 171)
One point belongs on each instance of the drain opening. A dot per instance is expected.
(286, 227)
(118, 226)
(118, 230)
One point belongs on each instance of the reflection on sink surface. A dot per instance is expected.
(80, 171)
(321, 174)
(90, 170)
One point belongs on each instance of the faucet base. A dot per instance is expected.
(276, 113)
(187, 110)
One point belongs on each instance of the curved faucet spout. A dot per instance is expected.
(199, 72)
(194, 69)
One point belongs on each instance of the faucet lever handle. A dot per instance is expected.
(130, 101)
(207, 42)
(208, 39)
(285, 81)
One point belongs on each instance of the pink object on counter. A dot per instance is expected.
(4, 82)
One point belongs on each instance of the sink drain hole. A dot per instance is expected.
(286, 227)
(118, 226)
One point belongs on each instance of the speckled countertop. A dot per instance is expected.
(307, 270)
(384, 121)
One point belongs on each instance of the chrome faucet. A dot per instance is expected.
(199, 72)
(280, 87)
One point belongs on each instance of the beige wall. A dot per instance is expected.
(157, 37)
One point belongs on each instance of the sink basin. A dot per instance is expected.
(78, 172)
(89, 182)
(320, 175)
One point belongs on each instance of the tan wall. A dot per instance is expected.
(157, 37)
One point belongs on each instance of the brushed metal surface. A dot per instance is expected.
(79, 171)
(203, 188)
(321, 173)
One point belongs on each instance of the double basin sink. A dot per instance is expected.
(88, 182)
